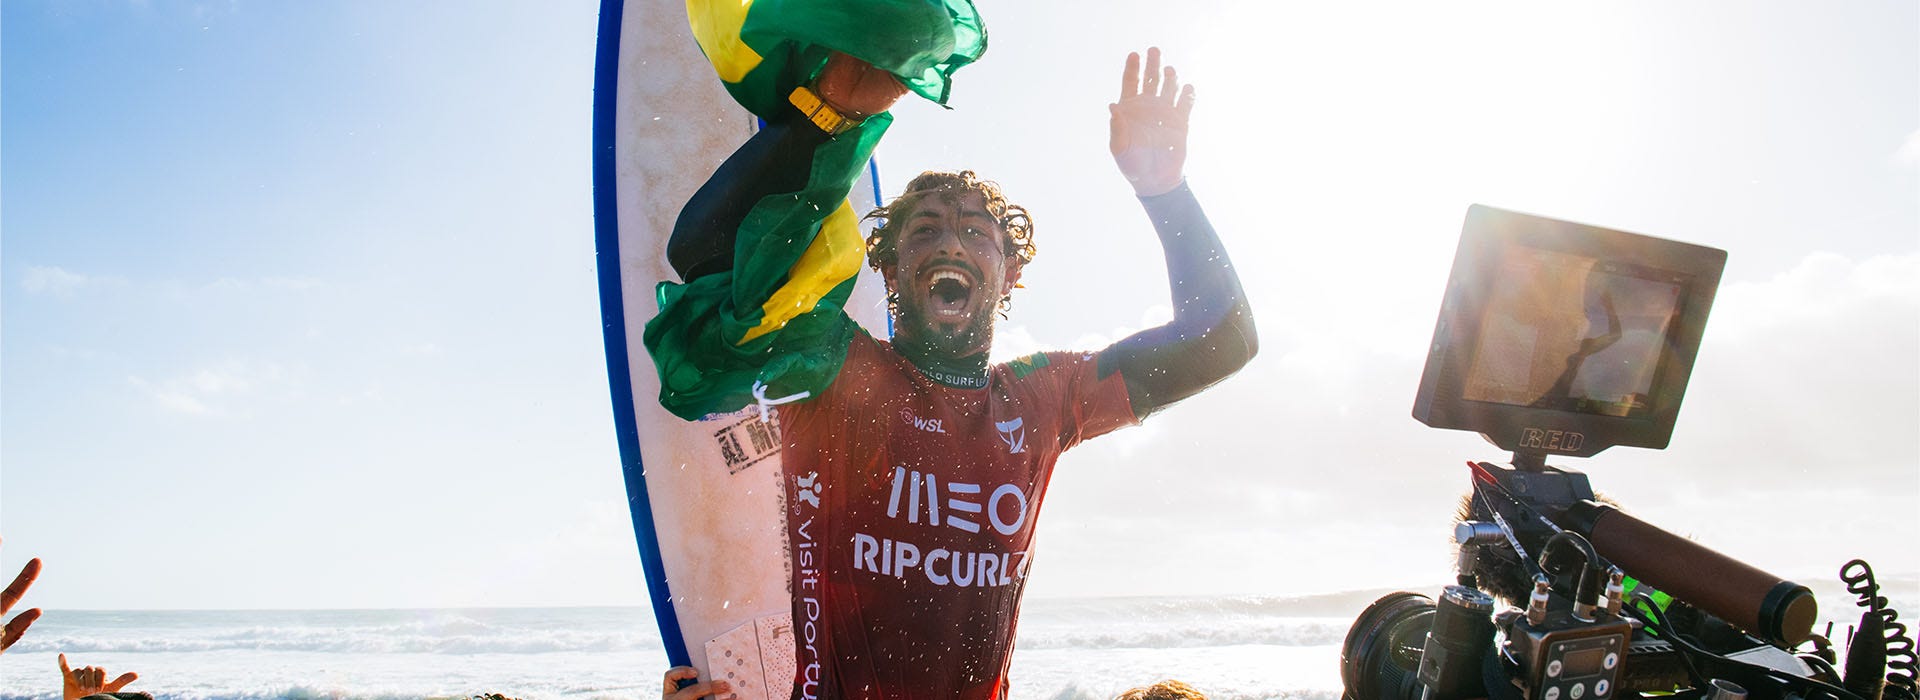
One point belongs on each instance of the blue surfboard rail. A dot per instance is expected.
(613, 325)
(873, 176)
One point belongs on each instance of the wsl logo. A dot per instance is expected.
(1016, 441)
(931, 425)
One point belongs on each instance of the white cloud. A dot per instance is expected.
(233, 284)
(290, 283)
(220, 390)
(172, 398)
(52, 280)
(1812, 370)
(1909, 153)
(1822, 286)
(61, 282)
(226, 284)
(211, 382)
(1010, 341)
(1324, 367)
(1151, 316)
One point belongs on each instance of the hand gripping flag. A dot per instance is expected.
(772, 326)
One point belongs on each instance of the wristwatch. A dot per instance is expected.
(822, 115)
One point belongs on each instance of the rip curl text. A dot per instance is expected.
(942, 567)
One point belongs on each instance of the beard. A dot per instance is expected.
(917, 331)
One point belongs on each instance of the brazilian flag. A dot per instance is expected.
(773, 324)
(762, 49)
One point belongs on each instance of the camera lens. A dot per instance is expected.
(1381, 656)
(1462, 631)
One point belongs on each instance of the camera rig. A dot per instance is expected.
(1560, 339)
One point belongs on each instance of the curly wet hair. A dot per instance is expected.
(1164, 690)
(883, 243)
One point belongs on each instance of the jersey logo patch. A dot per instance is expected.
(931, 425)
(1016, 441)
(807, 488)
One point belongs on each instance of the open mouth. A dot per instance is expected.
(949, 294)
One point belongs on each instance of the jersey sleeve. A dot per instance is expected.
(1086, 405)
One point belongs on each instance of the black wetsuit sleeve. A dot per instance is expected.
(1211, 335)
(777, 160)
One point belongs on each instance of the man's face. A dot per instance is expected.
(951, 273)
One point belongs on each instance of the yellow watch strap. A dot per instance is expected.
(819, 112)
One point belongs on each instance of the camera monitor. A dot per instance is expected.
(1565, 339)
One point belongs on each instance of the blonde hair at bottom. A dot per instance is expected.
(1164, 690)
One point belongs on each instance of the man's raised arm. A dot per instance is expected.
(768, 249)
(777, 160)
(1211, 335)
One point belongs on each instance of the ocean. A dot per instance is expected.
(1067, 649)
(1233, 648)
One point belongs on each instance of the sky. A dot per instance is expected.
(298, 305)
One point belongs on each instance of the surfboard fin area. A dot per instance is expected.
(756, 658)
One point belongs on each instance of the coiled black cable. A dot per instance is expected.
(1901, 659)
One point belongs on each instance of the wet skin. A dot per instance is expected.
(950, 275)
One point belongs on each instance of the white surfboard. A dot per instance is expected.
(706, 496)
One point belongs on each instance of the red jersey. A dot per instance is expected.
(912, 511)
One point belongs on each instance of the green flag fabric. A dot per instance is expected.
(762, 49)
(772, 327)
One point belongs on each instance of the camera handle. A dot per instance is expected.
(1777, 610)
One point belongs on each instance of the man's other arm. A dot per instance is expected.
(1211, 335)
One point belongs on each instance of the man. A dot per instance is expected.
(917, 468)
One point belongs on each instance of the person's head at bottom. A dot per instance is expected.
(1164, 690)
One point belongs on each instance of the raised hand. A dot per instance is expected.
(90, 680)
(11, 597)
(855, 89)
(1148, 133)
